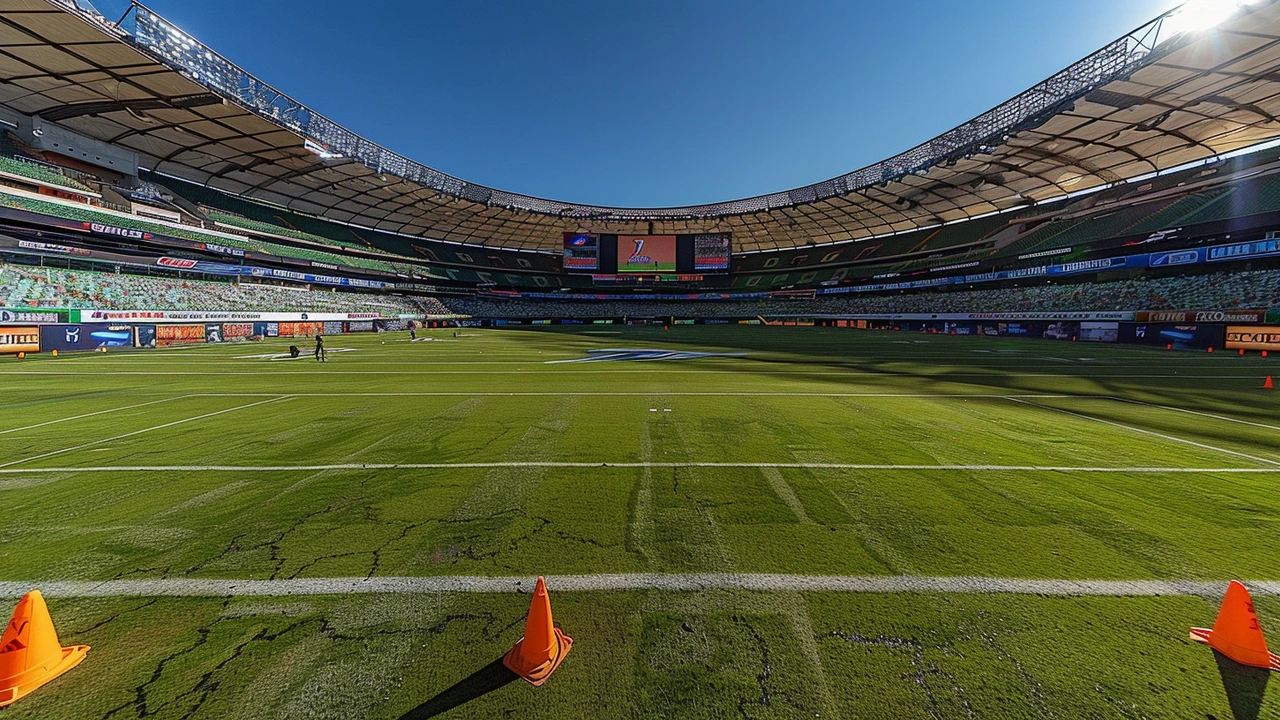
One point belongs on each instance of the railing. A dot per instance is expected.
(169, 45)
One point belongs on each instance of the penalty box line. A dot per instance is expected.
(635, 465)
(677, 582)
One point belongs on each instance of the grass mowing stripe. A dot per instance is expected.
(669, 582)
(1149, 432)
(4, 470)
(139, 432)
(1184, 410)
(100, 412)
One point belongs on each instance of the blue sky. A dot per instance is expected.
(653, 103)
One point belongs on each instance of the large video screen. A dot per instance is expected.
(581, 252)
(711, 252)
(646, 254)
(647, 258)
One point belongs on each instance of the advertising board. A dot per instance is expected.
(1108, 332)
(72, 338)
(16, 339)
(167, 335)
(1262, 337)
(32, 315)
(298, 329)
(237, 331)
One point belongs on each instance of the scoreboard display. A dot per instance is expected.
(659, 256)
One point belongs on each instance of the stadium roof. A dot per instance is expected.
(1153, 99)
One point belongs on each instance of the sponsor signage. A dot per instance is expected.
(176, 263)
(237, 331)
(84, 337)
(114, 231)
(299, 329)
(180, 316)
(1259, 248)
(1202, 316)
(19, 339)
(167, 335)
(1045, 253)
(1178, 257)
(1264, 337)
(22, 315)
(224, 250)
(50, 247)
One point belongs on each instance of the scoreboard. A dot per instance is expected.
(658, 256)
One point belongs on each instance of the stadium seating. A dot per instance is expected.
(41, 173)
(87, 213)
(23, 286)
(1247, 290)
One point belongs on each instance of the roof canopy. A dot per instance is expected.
(1149, 101)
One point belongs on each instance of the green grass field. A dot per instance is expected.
(816, 453)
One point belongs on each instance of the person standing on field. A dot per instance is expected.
(320, 348)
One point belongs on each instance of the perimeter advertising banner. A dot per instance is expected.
(237, 331)
(72, 338)
(299, 329)
(167, 335)
(1202, 316)
(1264, 337)
(185, 316)
(19, 339)
(32, 315)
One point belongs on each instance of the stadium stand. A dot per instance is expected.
(41, 173)
(1252, 290)
(44, 287)
(89, 214)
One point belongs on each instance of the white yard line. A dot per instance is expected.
(100, 412)
(139, 432)
(632, 465)
(655, 394)
(691, 582)
(1184, 410)
(1153, 433)
(654, 369)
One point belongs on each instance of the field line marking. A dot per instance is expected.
(695, 393)
(1193, 412)
(1149, 432)
(634, 465)
(592, 369)
(100, 412)
(688, 582)
(139, 432)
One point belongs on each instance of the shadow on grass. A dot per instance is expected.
(1245, 686)
(481, 682)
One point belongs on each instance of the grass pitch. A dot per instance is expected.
(819, 452)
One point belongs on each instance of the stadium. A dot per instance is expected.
(295, 426)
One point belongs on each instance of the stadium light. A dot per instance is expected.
(1201, 15)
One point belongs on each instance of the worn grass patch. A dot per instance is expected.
(800, 395)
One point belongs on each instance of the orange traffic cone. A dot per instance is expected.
(543, 646)
(1236, 633)
(1267, 384)
(30, 654)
